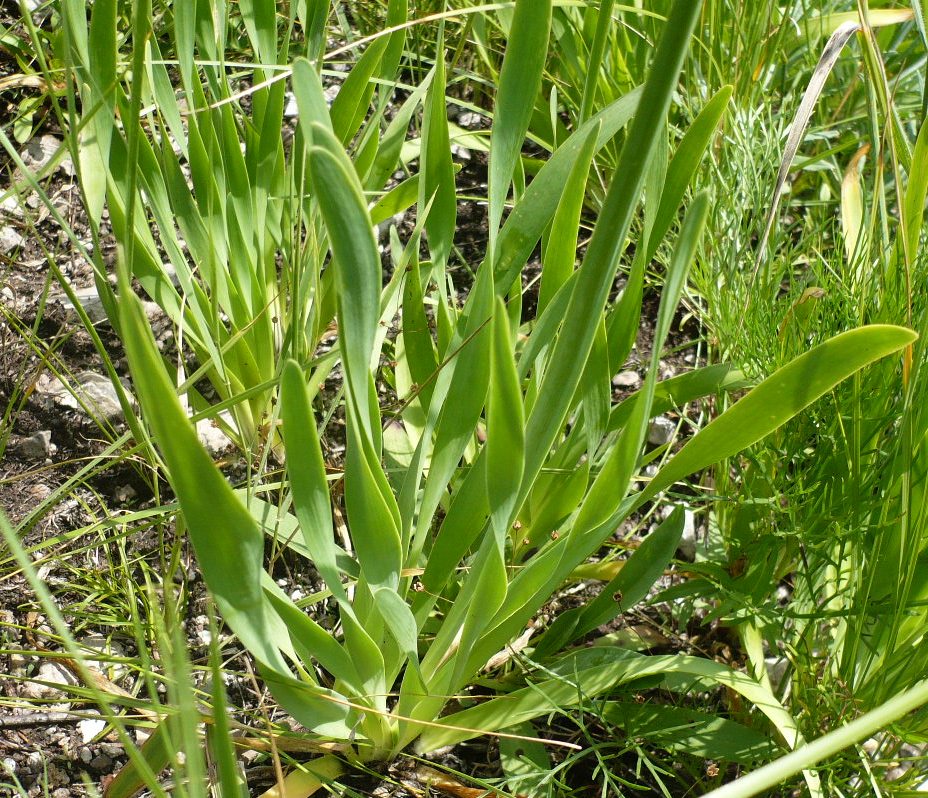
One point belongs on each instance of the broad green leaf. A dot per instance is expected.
(630, 585)
(557, 492)
(324, 711)
(780, 397)
(458, 407)
(391, 142)
(505, 446)
(591, 672)
(353, 98)
(306, 470)
(436, 180)
(560, 253)
(519, 84)
(400, 621)
(372, 511)
(229, 544)
(483, 593)
(462, 525)
(357, 270)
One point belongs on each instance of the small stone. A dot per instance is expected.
(62, 792)
(35, 447)
(89, 300)
(461, 153)
(661, 431)
(85, 753)
(96, 390)
(10, 239)
(105, 650)
(101, 763)
(10, 207)
(626, 379)
(687, 547)
(469, 119)
(212, 437)
(18, 661)
(40, 151)
(125, 493)
(291, 109)
(9, 764)
(53, 673)
(56, 673)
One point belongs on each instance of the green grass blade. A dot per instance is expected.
(780, 397)
(436, 180)
(505, 447)
(306, 470)
(560, 253)
(599, 266)
(228, 542)
(519, 85)
(534, 210)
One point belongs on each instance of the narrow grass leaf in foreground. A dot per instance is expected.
(780, 397)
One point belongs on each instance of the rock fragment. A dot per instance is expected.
(626, 379)
(661, 431)
(10, 239)
(96, 391)
(35, 447)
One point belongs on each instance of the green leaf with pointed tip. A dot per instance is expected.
(777, 399)
(505, 446)
(306, 470)
(534, 210)
(358, 275)
(436, 180)
(684, 164)
(519, 84)
(228, 542)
